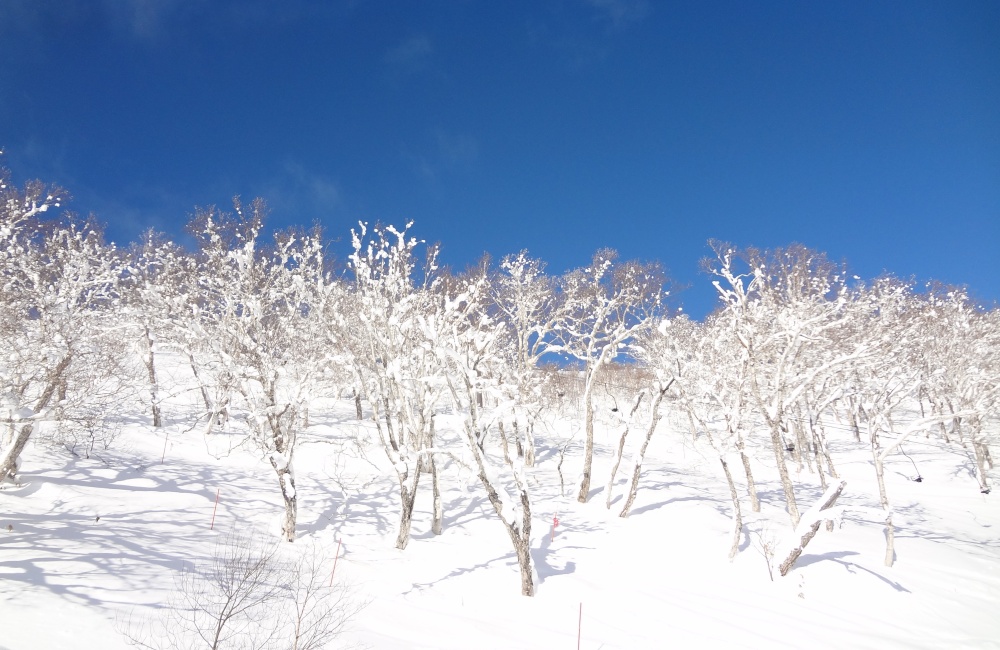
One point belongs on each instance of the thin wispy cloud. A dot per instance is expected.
(411, 55)
(456, 149)
(586, 32)
(621, 13)
(301, 194)
(145, 20)
(446, 152)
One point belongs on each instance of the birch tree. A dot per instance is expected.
(962, 347)
(467, 342)
(257, 312)
(607, 304)
(790, 316)
(59, 283)
(532, 308)
(389, 357)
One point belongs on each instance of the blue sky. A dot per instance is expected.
(866, 129)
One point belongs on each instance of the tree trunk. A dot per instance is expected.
(9, 462)
(890, 553)
(890, 540)
(529, 444)
(786, 481)
(438, 523)
(751, 484)
(654, 419)
(853, 420)
(151, 372)
(523, 551)
(831, 497)
(357, 405)
(614, 467)
(204, 389)
(981, 453)
(737, 513)
(801, 448)
(621, 448)
(504, 444)
(588, 450)
(407, 497)
(821, 441)
(286, 481)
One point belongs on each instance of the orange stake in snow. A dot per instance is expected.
(335, 558)
(217, 491)
(555, 522)
(579, 627)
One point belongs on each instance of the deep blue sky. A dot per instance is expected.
(866, 129)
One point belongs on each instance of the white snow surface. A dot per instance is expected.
(83, 540)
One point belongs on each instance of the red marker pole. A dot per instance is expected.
(579, 627)
(555, 522)
(335, 558)
(217, 491)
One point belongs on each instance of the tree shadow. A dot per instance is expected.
(539, 559)
(851, 567)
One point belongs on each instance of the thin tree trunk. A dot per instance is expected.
(588, 451)
(821, 440)
(9, 462)
(853, 420)
(523, 551)
(437, 525)
(831, 497)
(751, 484)
(529, 444)
(151, 372)
(802, 447)
(819, 462)
(614, 467)
(890, 540)
(890, 552)
(786, 481)
(654, 419)
(505, 446)
(519, 532)
(286, 481)
(737, 513)
(980, 451)
(204, 390)
(407, 497)
(620, 450)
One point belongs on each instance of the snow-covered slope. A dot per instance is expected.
(83, 540)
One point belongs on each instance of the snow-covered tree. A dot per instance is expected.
(790, 310)
(532, 308)
(59, 285)
(255, 309)
(467, 342)
(390, 356)
(159, 275)
(606, 305)
(961, 346)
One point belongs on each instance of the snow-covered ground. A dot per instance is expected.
(83, 540)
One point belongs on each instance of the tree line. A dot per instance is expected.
(455, 367)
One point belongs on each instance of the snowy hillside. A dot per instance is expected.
(86, 539)
(242, 446)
